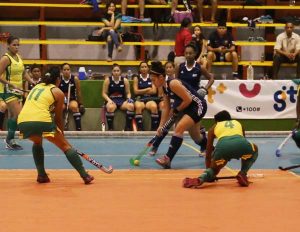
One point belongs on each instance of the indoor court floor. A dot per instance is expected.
(147, 198)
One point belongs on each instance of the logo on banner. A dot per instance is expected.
(250, 93)
(282, 96)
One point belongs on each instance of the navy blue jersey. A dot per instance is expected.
(216, 41)
(30, 85)
(116, 89)
(197, 107)
(144, 84)
(190, 76)
(64, 85)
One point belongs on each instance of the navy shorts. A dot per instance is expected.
(196, 110)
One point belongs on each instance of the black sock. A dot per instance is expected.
(129, 117)
(110, 120)
(77, 118)
(174, 146)
(139, 121)
(154, 121)
(159, 139)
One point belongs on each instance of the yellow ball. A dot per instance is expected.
(136, 162)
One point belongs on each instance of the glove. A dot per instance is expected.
(81, 109)
(130, 100)
(202, 91)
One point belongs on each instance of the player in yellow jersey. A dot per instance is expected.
(35, 123)
(231, 145)
(12, 73)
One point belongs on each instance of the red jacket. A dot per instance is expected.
(183, 38)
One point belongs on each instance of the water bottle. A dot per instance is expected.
(262, 57)
(81, 73)
(222, 57)
(250, 72)
(129, 74)
(89, 74)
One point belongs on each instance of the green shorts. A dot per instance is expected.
(43, 129)
(232, 147)
(9, 97)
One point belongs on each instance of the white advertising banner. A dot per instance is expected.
(261, 99)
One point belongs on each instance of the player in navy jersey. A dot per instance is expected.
(190, 73)
(179, 98)
(75, 101)
(116, 93)
(145, 93)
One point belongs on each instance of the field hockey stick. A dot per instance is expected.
(278, 150)
(103, 118)
(108, 170)
(257, 175)
(68, 103)
(19, 91)
(165, 128)
(289, 167)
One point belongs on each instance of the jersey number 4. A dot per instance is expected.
(229, 124)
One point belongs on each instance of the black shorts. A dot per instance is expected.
(196, 111)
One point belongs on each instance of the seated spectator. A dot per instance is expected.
(201, 46)
(200, 3)
(183, 38)
(221, 48)
(36, 75)
(214, 6)
(141, 6)
(116, 93)
(70, 86)
(146, 94)
(287, 49)
(112, 28)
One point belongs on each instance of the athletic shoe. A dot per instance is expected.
(88, 179)
(12, 145)
(43, 179)
(242, 179)
(203, 142)
(192, 182)
(164, 161)
(153, 151)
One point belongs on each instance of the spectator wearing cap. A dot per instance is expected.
(183, 38)
(287, 49)
(221, 47)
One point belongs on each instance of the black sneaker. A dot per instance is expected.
(43, 179)
(12, 145)
(88, 179)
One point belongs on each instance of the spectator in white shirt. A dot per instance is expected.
(287, 49)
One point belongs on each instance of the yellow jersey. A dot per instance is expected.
(228, 128)
(38, 105)
(13, 73)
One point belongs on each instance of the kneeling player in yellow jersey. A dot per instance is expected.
(35, 122)
(231, 145)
